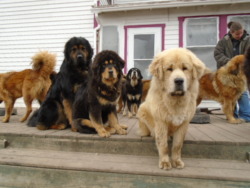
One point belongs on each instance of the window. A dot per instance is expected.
(201, 36)
(243, 19)
(110, 38)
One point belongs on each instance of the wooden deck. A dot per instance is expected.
(214, 155)
(218, 130)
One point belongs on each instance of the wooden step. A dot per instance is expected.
(45, 167)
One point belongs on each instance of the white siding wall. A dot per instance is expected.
(27, 26)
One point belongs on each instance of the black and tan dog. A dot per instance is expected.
(132, 92)
(56, 111)
(96, 104)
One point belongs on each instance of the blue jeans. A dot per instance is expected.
(242, 110)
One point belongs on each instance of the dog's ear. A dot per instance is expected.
(67, 50)
(235, 71)
(198, 66)
(121, 62)
(155, 68)
(236, 64)
(90, 53)
(140, 75)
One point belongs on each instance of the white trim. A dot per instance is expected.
(136, 5)
(156, 31)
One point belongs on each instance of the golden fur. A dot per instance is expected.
(145, 88)
(171, 102)
(225, 86)
(30, 84)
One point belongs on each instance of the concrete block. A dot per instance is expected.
(200, 117)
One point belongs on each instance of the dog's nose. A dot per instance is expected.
(79, 56)
(178, 81)
(110, 72)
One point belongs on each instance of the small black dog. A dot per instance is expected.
(96, 104)
(56, 111)
(132, 92)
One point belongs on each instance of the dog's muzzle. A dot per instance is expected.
(179, 87)
(111, 72)
(79, 56)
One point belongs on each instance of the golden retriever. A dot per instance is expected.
(30, 84)
(171, 102)
(225, 86)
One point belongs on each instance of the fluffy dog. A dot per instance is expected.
(56, 111)
(96, 104)
(225, 86)
(30, 84)
(132, 92)
(171, 102)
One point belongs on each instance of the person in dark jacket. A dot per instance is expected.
(235, 42)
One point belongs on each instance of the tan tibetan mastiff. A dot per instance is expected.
(95, 104)
(171, 102)
(30, 84)
(225, 86)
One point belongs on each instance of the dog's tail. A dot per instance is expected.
(247, 65)
(44, 62)
(33, 119)
(82, 126)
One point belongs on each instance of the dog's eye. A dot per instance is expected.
(74, 49)
(83, 48)
(184, 68)
(170, 69)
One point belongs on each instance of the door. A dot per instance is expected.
(143, 44)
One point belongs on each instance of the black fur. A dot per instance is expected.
(247, 66)
(89, 100)
(73, 73)
(132, 90)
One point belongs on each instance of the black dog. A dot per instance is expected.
(96, 104)
(56, 111)
(132, 92)
(247, 66)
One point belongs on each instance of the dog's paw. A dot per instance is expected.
(124, 127)
(121, 131)
(111, 130)
(130, 114)
(165, 163)
(236, 121)
(103, 133)
(22, 119)
(178, 164)
(5, 120)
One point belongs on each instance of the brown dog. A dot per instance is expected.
(30, 84)
(225, 86)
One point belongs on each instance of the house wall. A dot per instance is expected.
(28, 26)
(168, 16)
